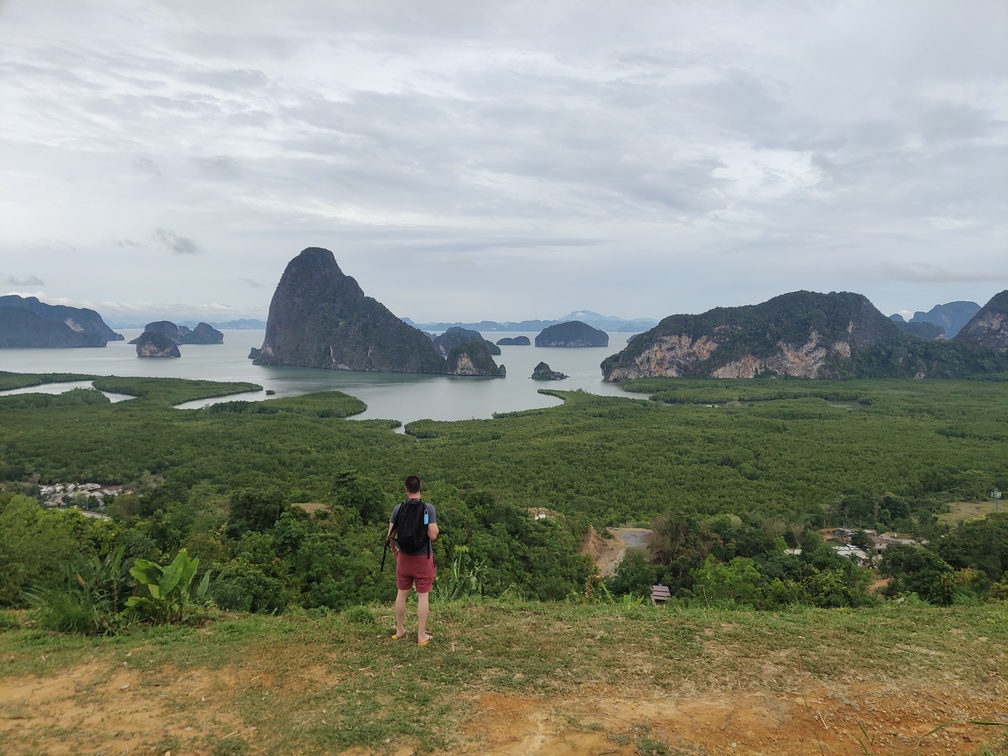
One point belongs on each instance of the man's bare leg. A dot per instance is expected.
(423, 605)
(400, 612)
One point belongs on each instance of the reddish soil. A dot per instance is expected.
(87, 710)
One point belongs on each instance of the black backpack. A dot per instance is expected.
(409, 528)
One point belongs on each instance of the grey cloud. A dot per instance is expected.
(228, 80)
(242, 46)
(126, 243)
(179, 245)
(222, 167)
(38, 75)
(146, 166)
(485, 243)
(26, 281)
(251, 283)
(925, 273)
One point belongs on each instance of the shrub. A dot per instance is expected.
(245, 588)
(172, 589)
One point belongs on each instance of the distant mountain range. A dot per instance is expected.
(941, 321)
(601, 322)
(242, 324)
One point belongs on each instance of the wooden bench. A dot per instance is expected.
(660, 594)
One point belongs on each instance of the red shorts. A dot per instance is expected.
(414, 568)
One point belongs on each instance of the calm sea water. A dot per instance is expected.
(396, 396)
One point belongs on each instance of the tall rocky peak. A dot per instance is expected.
(989, 327)
(320, 318)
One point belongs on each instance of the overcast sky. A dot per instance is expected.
(503, 160)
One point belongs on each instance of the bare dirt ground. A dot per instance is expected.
(840, 718)
(607, 552)
(90, 709)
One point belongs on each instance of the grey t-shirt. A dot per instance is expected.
(431, 519)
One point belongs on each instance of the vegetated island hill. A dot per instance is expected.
(27, 323)
(572, 334)
(320, 318)
(809, 335)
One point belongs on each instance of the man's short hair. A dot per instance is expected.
(413, 484)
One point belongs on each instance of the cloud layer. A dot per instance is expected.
(506, 160)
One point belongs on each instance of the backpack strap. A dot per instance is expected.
(426, 514)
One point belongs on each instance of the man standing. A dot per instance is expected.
(412, 529)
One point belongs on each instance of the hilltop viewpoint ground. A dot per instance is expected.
(520, 678)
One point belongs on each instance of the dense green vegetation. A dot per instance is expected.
(10, 381)
(730, 473)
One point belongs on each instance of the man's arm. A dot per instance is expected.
(432, 528)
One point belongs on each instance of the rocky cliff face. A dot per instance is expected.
(155, 345)
(320, 318)
(473, 358)
(803, 334)
(989, 327)
(29, 323)
(572, 334)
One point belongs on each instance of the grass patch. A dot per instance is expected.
(965, 511)
(328, 682)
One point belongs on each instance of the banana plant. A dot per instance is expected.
(171, 588)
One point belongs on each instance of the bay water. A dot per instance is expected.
(396, 396)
